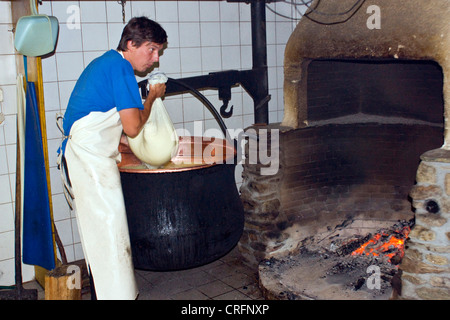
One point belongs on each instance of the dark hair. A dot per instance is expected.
(139, 30)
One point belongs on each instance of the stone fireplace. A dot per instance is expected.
(363, 146)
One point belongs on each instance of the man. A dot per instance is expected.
(104, 103)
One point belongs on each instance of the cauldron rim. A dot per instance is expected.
(131, 164)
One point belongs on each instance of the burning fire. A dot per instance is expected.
(389, 245)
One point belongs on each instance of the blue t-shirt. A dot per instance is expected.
(107, 82)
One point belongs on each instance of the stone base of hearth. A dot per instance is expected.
(426, 265)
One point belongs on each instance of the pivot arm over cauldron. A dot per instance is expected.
(223, 81)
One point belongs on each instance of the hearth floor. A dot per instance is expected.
(325, 269)
(224, 279)
(304, 277)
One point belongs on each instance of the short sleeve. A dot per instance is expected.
(125, 88)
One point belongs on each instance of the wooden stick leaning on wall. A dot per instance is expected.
(21, 8)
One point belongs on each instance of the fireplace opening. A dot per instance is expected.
(402, 89)
(344, 178)
(368, 123)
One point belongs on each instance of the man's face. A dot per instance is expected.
(142, 58)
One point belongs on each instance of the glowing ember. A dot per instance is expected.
(384, 244)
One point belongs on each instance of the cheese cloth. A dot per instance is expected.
(157, 142)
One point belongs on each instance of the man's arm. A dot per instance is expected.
(134, 119)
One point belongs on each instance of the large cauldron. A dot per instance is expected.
(182, 215)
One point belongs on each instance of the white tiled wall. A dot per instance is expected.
(204, 36)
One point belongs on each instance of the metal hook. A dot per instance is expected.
(223, 112)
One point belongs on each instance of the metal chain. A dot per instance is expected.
(122, 3)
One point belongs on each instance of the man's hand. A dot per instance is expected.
(133, 119)
(156, 91)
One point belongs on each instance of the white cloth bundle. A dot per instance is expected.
(157, 143)
(156, 77)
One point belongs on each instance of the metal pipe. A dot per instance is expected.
(206, 102)
(258, 25)
(259, 56)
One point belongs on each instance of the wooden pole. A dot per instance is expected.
(21, 8)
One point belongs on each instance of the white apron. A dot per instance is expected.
(92, 155)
